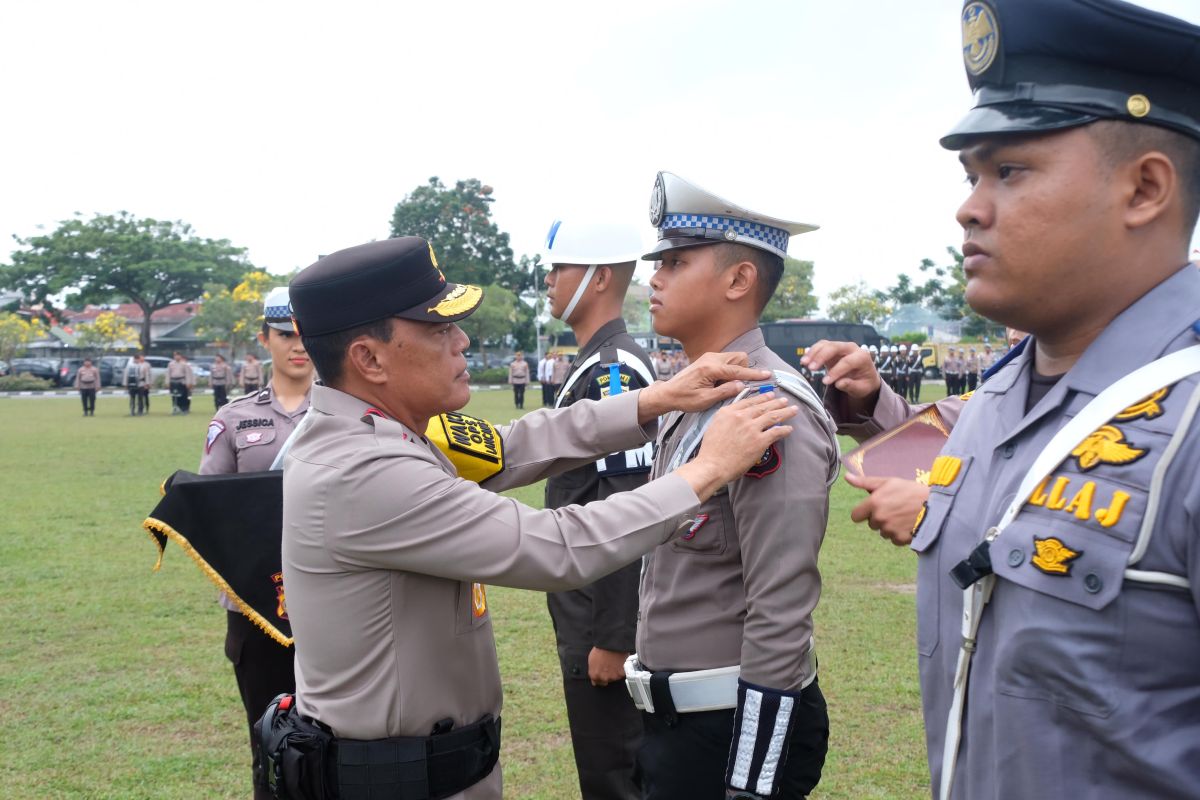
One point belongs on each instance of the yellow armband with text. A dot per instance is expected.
(473, 445)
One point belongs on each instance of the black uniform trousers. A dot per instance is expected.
(688, 761)
(263, 669)
(519, 395)
(139, 400)
(914, 387)
(220, 396)
(547, 393)
(89, 401)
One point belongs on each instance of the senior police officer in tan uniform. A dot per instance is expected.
(245, 436)
(591, 266)
(386, 549)
(725, 668)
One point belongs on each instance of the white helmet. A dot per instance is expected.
(895, 349)
(873, 349)
(863, 346)
(592, 244)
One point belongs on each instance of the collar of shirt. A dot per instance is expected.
(326, 400)
(748, 343)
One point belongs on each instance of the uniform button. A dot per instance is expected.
(1092, 582)
(1008, 451)
(575, 670)
(1016, 557)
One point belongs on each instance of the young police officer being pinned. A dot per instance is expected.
(386, 548)
(591, 265)
(245, 436)
(725, 669)
(1059, 550)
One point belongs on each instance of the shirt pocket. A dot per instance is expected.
(472, 611)
(1060, 622)
(255, 437)
(707, 535)
(949, 473)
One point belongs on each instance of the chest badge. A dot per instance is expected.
(697, 524)
(1106, 445)
(253, 438)
(1053, 557)
(1149, 408)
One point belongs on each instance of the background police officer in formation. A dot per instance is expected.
(591, 265)
(181, 378)
(726, 606)
(220, 376)
(386, 549)
(87, 381)
(245, 436)
(137, 383)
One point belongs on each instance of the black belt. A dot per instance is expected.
(305, 761)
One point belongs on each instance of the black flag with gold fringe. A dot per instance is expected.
(231, 526)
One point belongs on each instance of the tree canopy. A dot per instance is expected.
(232, 316)
(106, 332)
(793, 298)
(149, 262)
(858, 303)
(16, 333)
(950, 297)
(492, 321)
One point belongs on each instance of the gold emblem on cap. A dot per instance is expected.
(981, 37)
(1138, 105)
(433, 260)
(461, 298)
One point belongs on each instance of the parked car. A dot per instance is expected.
(45, 368)
(158, 367)
(112, 370)
(3, 367)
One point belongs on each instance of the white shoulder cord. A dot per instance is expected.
(1135, 386)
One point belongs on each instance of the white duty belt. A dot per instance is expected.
(1135, 386)
(698, 690)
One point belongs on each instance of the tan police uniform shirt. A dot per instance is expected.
(181, 371)
(245, 436)
(252, 373)
(562, 368)
(87, 378)
(740, 585)
(518, 372)
(220, 374)
(140, 371)
(386, 550)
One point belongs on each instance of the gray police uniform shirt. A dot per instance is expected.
(603, 614)
(1085, 683)
(139, 372)
(386, 550)
(245, 435)
(756, 538)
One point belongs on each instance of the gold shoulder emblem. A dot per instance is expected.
(1149, 407)
(461, 298)
(1053, 557)
(1106, 445)
(965, 397)
(944, 470)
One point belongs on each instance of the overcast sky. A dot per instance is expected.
(292, 129)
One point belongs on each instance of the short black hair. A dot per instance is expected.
(1122, 141)
(328, 352)
(768, 265)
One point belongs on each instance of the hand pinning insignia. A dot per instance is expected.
(1053, 557)
(1106, 445)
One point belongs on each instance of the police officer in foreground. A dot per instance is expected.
(1073, 669)
(245, 436)
(386, 549)
(591, 265)
(725, 669)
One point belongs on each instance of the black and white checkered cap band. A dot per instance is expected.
(277, 314)
(776, 239)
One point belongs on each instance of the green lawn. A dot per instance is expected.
(113, 680)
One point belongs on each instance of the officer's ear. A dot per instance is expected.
(262, 338)
(741, 280)
(1153, 184)
(365, 357)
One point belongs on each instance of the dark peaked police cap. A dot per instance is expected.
(1044, 65)
(392, 278)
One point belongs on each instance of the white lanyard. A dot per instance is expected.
(1135, 386)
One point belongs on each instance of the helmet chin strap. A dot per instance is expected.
(575, 298)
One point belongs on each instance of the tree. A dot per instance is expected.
(493, 320)
(106, 332)
(794, 296)
(457, 223)
(150, 262)
(16, 333)
(950, 299)
(858, 303)
(232, 317)
(635, 310)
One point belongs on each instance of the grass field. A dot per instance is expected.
(114, 683)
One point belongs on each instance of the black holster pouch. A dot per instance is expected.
(303, 760)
